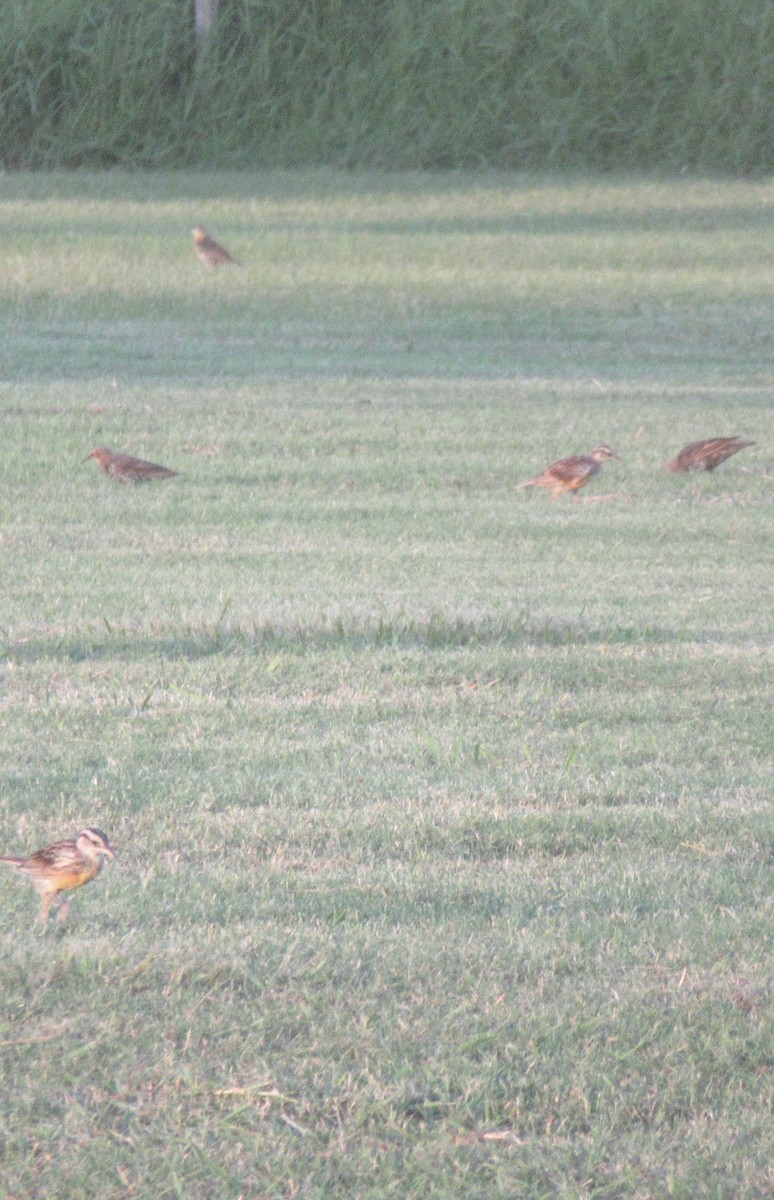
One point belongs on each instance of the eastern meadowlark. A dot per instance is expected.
(64, 866)
(128, 469)
(210, 252)
(707, 454)
(570, 474)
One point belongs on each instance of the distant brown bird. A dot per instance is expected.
(210, 252)
(63, 867)
(128, 469)
(570, 474)
(706, 455)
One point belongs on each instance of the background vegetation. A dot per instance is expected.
(434, 83)
(444, 811)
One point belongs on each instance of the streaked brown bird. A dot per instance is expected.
(210, 252)
(707, 454)
(128, 469)
(63, 866)
(570, 474)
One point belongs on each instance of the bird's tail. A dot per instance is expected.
(13, 860)
(526, 483)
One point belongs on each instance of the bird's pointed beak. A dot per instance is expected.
(110, 851)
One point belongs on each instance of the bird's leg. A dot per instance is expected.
(63, 908)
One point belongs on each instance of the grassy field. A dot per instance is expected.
(443, 810)
(404, 84)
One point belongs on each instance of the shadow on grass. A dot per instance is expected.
(434, 632)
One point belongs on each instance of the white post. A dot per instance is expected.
(206, 12)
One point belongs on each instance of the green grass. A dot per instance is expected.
(596, 84)
(444, 810)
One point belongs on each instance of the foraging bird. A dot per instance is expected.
(570, 474)
(128, 469)
(706, 455)
(63, 867)
(210, 252)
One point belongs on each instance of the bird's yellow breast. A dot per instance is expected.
(75, 877)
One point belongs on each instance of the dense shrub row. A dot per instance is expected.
(512, 83)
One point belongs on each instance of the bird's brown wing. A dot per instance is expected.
(719, 449)
(707, 453)
(126, 462)
(212, 252)
(52, 856)
(137, 468)
(567, 470)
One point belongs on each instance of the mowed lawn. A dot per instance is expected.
(443, 809)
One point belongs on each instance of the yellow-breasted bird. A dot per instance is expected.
(707, 454)
(210, 252)
(128, 469)
(570, 474)
(63, 866)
